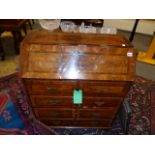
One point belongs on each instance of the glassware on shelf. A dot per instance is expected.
(87, 29)
(67, 26)
(108, 30)
(49, 24)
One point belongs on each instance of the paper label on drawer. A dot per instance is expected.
(129, 54)
(77, 96)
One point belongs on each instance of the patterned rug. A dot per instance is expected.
(140, 103)
(15, 114)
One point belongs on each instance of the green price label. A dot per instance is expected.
(77, 97)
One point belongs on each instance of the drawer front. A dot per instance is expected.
(70, 123)
(48, 101)
(104, 88)
(95, 114)
(54, 114)
(54, 87)
(57, 123)
(95, 124)
(52, 101)
(101, 102)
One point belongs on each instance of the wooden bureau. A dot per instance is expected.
(55, 66)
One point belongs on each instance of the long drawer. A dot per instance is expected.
(70, 123)
(106, 123)
(78, 114)
(57, 123)
(63, 102)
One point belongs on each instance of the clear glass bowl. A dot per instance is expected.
(108, 30)
(49, 24)
(87, 29)
(67, 26)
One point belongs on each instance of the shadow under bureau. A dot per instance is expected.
(76, 80)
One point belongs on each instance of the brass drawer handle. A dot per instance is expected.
(99, 103)
(51, 89)
(53, 102)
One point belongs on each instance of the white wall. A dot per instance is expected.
(144, 26)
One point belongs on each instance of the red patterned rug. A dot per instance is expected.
(15, 114)
(140, 103)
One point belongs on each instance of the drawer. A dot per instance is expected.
(96, 114)
(52, 101)
(96, 102)
(53, 114)
(70, 123)
(93, 89)
(57, 123)
(48, 101)
(51, 87)
(94, 124)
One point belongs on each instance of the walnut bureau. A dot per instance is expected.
(59, 68)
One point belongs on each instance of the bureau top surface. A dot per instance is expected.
(47, 55)
(46, 37)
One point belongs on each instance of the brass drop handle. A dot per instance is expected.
(51, 89)
(53, 102)
(99, 103)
